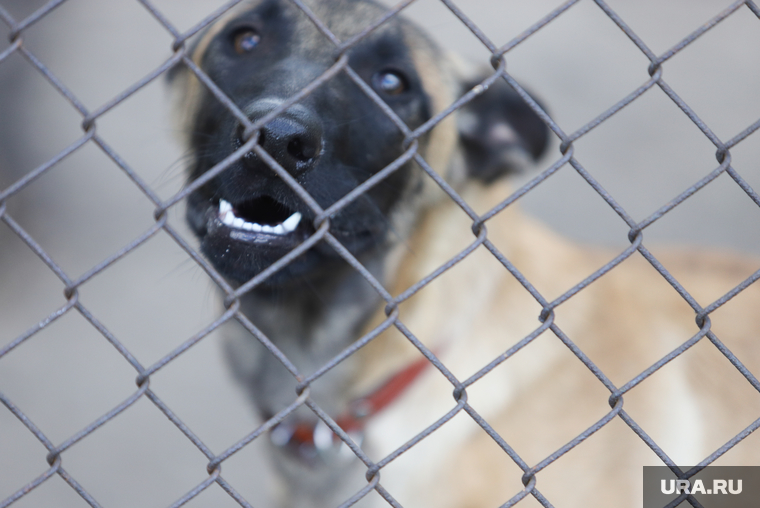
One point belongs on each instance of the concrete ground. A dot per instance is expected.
(85, 209)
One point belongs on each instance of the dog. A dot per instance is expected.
(539, 396)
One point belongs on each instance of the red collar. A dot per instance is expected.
(301, 435)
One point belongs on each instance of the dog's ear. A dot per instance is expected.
(499, 132)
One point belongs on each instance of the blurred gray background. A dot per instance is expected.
(85, 209)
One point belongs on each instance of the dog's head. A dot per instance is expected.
(335, 138)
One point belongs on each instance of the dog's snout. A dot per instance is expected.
(293, 143)
(294, 139)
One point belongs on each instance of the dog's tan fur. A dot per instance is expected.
(544, 396)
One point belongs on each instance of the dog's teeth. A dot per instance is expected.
(291, 223)
(227, 216)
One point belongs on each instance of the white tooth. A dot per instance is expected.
(224, 206)
(248, 226)
(238, 222)
(292, 222)
(278, 230)
(256, 227)
(228, 218)
(266, 229)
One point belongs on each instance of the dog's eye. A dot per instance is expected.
(245, 40)
(390, 82)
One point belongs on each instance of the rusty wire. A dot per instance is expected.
(56, 452)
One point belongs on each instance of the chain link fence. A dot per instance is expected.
(75, 282)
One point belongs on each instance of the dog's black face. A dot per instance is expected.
(330, 142)
(265, 52)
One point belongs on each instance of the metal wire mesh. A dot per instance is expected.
(57, 451)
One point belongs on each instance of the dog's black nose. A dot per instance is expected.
(292, 143)
(293, 139)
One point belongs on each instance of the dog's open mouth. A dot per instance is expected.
(262, 215)
(242, 238)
